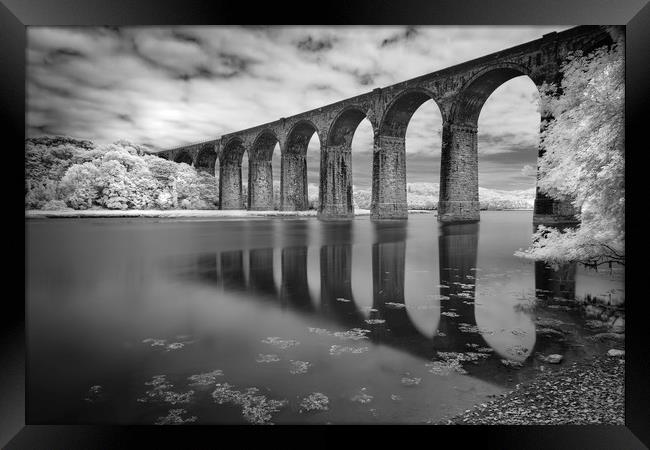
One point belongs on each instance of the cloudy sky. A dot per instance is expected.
(169, 86)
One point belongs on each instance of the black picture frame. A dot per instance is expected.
(15, 15)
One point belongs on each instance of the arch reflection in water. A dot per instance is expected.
(336, 274)
(451, 308)
(295, 286)
(557, 282)
(388, 265)
(231, 264)
(260, 272)
(457, 250)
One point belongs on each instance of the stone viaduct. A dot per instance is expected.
(459, 91)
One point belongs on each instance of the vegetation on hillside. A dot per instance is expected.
(63, 172)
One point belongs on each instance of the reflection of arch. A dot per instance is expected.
(232, 269)
(206, 159)
(389, 157)
(553, 283)
(295, 288)
(184, 157)
(260, 172)
(457, 250)
(260, 271)
(388, 264)
(293, 180)
(230, 182)
(336, 273)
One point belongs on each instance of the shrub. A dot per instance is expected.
(79, 185)
(55, 205)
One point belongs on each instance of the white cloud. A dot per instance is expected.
(529, 171)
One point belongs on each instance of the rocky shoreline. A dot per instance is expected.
(586, 392)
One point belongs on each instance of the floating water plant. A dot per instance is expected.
(205, 379)
(395, 305)
(174, 418)
(299, 367)
(94, 393)
(321, 331)
(451, 362)
(410, 381)
(161, 392)
(261, 358)
(374, 321)
(362, 397)
(354, 334)
(280, 343)
(256, 409)
(339, 349)
(314, 402)
(445, 367)
(155, 342)
(467, 328)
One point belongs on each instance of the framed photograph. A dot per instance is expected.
(379, 214)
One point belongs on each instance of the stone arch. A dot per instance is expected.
(342, 129)
(230, 179)
(299, 136)
(263, 145)
(399, 111)
(206, 159)
(293, 179)
(459, 200)
(184, 157)
(389, 155)
(472, 96)
(335, 194)
(260, 172)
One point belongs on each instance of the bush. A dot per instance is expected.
(79, 185)
(40, 193)
(55, 205)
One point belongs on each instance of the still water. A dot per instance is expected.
(239, 321)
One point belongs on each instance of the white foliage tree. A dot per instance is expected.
(584, 160)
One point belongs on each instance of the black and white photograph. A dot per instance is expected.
(325, 225)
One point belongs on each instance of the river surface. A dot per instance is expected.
(142, 321)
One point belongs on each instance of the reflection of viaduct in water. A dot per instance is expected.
(459, 92)
(458, 245)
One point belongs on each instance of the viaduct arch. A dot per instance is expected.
(459, 92)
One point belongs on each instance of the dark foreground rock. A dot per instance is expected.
(588, 392)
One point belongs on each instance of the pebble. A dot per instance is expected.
(589, 392)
